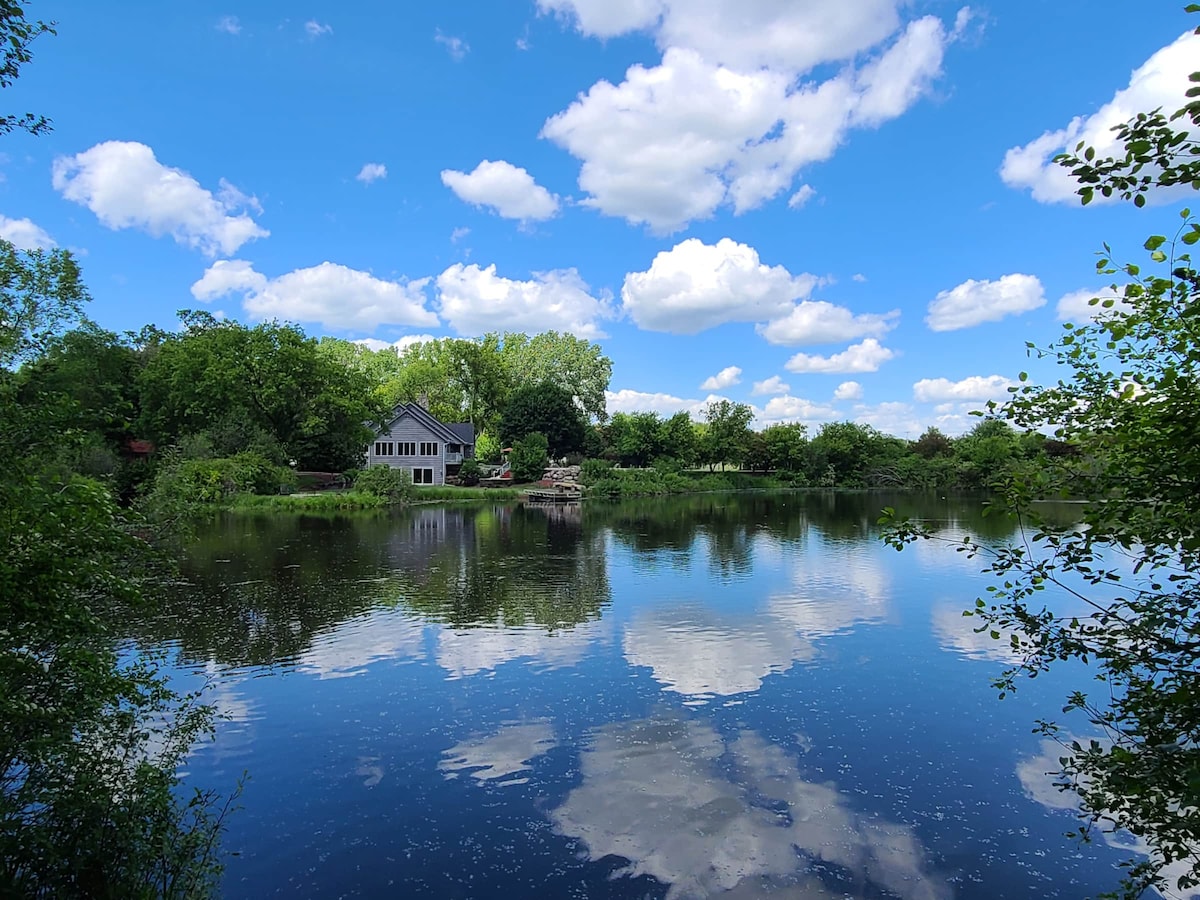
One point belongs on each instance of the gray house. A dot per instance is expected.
(413, 439)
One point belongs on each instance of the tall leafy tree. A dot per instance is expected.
(575, 364)
(547, 409)
(728, 434)
(270, 378)
(1128, 402)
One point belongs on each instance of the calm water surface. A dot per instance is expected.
(721, 694)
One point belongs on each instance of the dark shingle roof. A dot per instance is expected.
(464, 430)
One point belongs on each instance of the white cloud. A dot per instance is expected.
(772, 385)
(627, 400)
(126, 187)
(399, 345)
(455, 46)
(24, 234)
(329, 294)
(1076, 306)
(776, 34)
(606, 18)
(848, 390)
(794, 409)
(727, 377)
(867, 356)
(802, 196)
(859, 277)
(976, 387)
(674, 142)
(508, 189)
(819, 322)
(371, 172)
(894, 418)
(1161, 81)
(475, 300)
(695, 286)
(975, 302)
(315, 29)
(229, 25)
(458, 234)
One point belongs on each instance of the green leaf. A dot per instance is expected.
(1155, 241)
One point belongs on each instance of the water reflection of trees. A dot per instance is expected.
(257, 590)
(729, 523)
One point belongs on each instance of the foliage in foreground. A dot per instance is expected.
(1129, 401)
(90, 744)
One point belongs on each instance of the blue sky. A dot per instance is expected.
(827, 208)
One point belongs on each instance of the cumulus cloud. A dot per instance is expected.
(975, 302)
(867, 356)
(474, 300)
(1161, 81)
(229, 25)
(772, 385)
(628, 400)
(505, 188)
(727, 377)
(976, 387)
(315, 29)
(455, 46)
(127, 187)
(819, 322)
(695, 286)
(24, 234)
(794, 409)
(1077, 306)
(848, 390)
(725, 118)
(894, 418)
(329, 294)
(371, 172)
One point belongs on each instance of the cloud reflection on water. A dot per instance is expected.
(706, 815)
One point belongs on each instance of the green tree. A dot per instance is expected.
(636, 438)
(529, 457)
(572, 363)
(547, 409)
(16, 35)
(1128, 404)
(90, 746)
(270, 379)
(786, 446)
(677, 439)
(932, 443)
(728, 434)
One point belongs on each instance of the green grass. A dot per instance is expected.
(438, 493)
(330, 501)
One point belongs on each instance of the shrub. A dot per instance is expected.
(469, 473)
(394, 485)
(593, 470)
(529, 459)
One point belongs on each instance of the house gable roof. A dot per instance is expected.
(465, 432)
(422, 415)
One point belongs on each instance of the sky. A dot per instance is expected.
(829, 209)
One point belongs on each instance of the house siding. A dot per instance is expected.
(408, 429)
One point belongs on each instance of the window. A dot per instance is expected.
(429, 448)
(384, 448)
(407, 448)
(422, 476)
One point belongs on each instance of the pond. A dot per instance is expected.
(742, 695)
